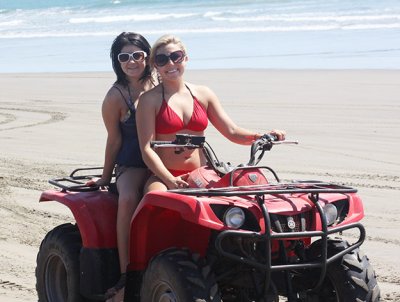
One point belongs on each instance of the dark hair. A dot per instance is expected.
(123, 39)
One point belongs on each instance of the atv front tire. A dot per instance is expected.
(57, 271)
(349, 279)
(177, 276)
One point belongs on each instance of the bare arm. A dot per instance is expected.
(146, 124)
(111, 119)
(224, 124)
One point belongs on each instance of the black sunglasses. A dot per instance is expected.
(137, 56)
(176, 57)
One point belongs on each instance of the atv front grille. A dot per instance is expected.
(294, 223)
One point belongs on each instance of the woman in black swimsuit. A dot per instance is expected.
(129, 55)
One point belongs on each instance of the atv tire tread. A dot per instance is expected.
(361, 279)
(64, 242)
(194, 276)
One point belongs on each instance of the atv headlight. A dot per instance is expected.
(234, 217)
(331, 213)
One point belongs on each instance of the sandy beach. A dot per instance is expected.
(347, 124)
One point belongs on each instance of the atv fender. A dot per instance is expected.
(95, 213)
(164, 220)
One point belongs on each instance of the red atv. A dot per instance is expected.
(236, 234)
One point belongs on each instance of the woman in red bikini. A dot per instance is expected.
(175, 106)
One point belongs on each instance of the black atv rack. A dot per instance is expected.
(301, 187)
(76, 182)
(312, 189)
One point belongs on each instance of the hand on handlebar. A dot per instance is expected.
(278, 135)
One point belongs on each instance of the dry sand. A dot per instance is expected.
(347, 123)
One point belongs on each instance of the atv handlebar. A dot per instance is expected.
(187, 141)
(264, 143)
(77, 180)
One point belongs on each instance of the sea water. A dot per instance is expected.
(76, 35)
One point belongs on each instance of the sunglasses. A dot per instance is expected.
(137, 56)
(176, 57)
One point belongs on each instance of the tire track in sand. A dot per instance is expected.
(12, 118)
(7, 118)
(14, 286)
(358, 180)
(341, 153)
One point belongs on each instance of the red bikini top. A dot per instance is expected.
(167, 121)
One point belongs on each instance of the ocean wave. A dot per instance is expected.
(310, 18)
(294, 33)
(56, 34)
(316, 28)
(110, 19)
(11, 23)
(135, 17)
(371, 26)
(281, 28)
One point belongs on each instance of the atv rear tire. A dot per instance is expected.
(57, 271)
(350, 279)
(177, 276)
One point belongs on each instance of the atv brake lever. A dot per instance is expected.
(274, 140)
(285, 142)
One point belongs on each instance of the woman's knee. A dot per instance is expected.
(132, 181)
(128, 201)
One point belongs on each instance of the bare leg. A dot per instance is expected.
(130, 185)
(154, 184)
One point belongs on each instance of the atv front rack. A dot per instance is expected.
(312, 189)
(306, 187)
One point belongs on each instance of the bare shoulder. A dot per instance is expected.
(113, 98)
(199, 89)
(203, 93)
(153, 96)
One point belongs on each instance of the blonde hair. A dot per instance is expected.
(163, 41)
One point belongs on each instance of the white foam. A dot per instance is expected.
(11, 35)
(11, 23)
(124, 18)
(372, 26)
(309, 18)
(72, 22)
